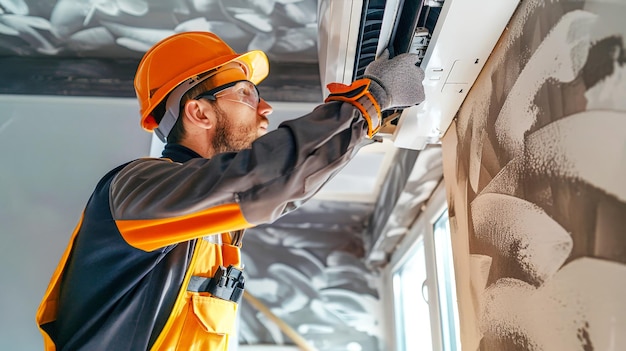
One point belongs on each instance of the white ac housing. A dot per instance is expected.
(465, 33)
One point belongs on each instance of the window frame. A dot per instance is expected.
(422, 229)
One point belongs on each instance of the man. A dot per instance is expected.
(154, 262)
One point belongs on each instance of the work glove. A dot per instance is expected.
(397, 82)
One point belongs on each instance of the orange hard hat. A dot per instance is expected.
(182, 56)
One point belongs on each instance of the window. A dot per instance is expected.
(411, 306)
(423, 283)
(446, 287)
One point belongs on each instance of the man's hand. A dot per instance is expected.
(396, 82)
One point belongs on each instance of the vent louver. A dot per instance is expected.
(369, 37)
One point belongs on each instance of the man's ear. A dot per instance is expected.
(199, 114)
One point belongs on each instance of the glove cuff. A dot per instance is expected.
(377, 88)
(359, 95)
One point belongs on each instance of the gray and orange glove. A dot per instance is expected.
(387, 84)
(398, 80)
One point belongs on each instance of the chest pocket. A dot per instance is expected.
(208, 323)
(204, 322)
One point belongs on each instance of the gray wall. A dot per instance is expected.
(54, 152)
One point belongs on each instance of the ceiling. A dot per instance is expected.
(91, 48)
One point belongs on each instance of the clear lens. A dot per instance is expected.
(244, 92)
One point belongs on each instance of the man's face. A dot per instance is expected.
(240, 114)
(238, 124)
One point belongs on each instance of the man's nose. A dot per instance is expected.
(264, 108)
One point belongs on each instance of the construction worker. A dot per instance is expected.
(154, 262)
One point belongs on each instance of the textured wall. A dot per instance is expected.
(535, 167)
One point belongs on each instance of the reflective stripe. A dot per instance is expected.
(142, 233)
(213, 239)
(359, 95)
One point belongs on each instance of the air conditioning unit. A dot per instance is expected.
(453, 38)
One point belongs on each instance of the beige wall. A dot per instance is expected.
(535, 167)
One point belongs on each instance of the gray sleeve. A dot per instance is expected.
(280, 170)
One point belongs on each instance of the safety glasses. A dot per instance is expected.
(242, 91)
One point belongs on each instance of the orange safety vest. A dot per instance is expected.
(197, 322)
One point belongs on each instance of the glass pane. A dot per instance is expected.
(411, 308)
(446, 284)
